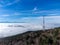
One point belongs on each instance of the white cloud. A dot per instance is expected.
(46, 12)
(16, 13)
(5, 15)
(35, 9)
(52, 19)
(9, 31)
(13, 2)
(3, 4)
(31, 24)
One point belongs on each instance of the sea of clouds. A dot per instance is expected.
(10, 29)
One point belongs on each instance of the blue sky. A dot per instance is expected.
(29, 14)
(28, 10)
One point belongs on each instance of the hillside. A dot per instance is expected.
(40, 37)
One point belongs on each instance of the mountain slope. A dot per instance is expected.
(39, 37)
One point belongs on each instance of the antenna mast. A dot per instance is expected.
(43, 22)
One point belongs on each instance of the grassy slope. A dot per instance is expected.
(33, 38)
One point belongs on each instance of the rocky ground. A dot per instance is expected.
(39, 37)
